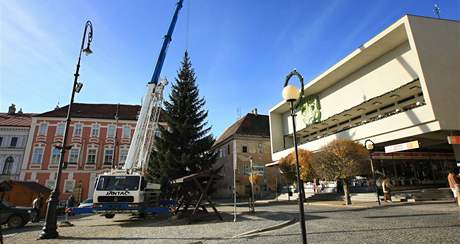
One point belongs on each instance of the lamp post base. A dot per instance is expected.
(48, 234)
(49, 230)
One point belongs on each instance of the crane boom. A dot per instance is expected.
(129, 190)
(147, 123)
(164, 48)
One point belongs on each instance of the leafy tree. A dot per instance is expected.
(255, 179)
(288, 164)
(342, 159)
(185, 144)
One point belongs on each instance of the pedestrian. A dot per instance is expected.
(323, 184)
(453, 179)
(339, 186)
(70, 202)
(386, 185)
(315, 186)
(37, 206)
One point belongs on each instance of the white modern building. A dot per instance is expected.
(402, 85)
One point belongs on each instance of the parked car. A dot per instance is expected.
(14, 216)
(88, 203)
(84, 207)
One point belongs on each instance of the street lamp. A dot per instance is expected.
(50, 227)
(370, 147)
(292, 94)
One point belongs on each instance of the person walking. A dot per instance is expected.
(315, 186)
(386, 186)
(453, 179)
(37, 206)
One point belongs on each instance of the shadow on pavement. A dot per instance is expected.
(202, 218)
(376, 207)
(137, 238)
(404, 215)
(364, 230)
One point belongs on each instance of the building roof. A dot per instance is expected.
(97, 111)
(33, 186)
(16, 119)
(250, 125)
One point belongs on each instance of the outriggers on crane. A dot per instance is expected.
(128, 190)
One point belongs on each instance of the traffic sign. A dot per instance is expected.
(402, 147)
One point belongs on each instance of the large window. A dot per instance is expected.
(55, 155)
(126, 131)
(73, 156)
(111, 131)
(108, 156)
(123, 156)
(113, 182)
(14, 142)
(69, 185)
(95, 130)
(92, 154)
(8, 166)
(77, 131)
(60, 129)
(1, 140)
(43, 129)
(157, 132)
(51, 183)
(260, 148)
(37, 155)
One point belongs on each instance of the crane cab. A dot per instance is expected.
(124, 193)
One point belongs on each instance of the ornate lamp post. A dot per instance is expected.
(50, 227)
(292, 94)
(370, 147)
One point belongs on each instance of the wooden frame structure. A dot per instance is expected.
(192, 190)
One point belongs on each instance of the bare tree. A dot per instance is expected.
(341, 160)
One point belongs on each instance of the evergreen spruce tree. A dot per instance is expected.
(184, 147)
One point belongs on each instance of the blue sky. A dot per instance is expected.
(241, 49)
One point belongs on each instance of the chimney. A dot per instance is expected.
(20, 111)
(254, 111)
(12, 109)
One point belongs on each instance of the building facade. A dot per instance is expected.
(400, 86)
(100, 135)
(14, 131)
(246, 139)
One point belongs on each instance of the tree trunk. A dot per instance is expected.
(346, 191)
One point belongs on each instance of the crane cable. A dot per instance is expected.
(187, 26)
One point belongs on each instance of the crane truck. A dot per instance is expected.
(128, 190)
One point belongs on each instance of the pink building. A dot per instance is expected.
(100, 135)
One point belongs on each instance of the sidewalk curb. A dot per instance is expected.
(273, 227)
(334, 205)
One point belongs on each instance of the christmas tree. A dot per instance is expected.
(184, 147)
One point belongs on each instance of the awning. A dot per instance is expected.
(272, 164)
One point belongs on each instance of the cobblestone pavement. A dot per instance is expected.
(392, 223)
(398, 223)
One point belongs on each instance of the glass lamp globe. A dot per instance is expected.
(369, 145)
(290, 93)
